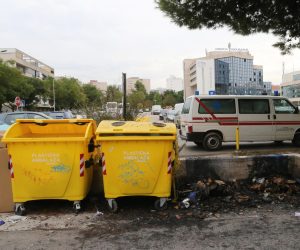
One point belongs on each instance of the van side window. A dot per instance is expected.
(282, 106)
(186, 106)
(254, 106)
(217, 106)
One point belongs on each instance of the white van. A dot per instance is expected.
(209, 120)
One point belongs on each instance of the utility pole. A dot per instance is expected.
(124, 95)
(53, 94)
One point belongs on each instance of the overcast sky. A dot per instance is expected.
(98, 39)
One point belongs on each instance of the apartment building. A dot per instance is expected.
(175, 83)
(224, 71)
(102, 86)
(130, 84)
(28, 65)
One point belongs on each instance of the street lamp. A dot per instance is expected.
(53, 94)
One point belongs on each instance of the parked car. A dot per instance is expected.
(10, 117)
(60, 114)
(163, 114)
(170, 115)
(178, 109)
(155, 109)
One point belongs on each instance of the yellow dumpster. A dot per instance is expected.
(137, 160)
(50, 159)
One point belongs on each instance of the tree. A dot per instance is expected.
(94, 98)
(113, 94)
(243, 17)
(139, 86)
(13, 83)
(69, 94)
(136, 100)
(169, 100)
(179, 97)
(155, 97)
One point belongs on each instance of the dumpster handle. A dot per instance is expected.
(80, 123)
(158, 124)
(41, 123)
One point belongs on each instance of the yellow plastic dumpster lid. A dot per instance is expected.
(39, 130)
(128, 128)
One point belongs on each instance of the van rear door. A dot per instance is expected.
(286, 119)
(255, 119)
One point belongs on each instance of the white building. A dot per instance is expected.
(290, 86)
(175, 83)
(224, 71)
(102, 86)
(131, 81)
(28, 65)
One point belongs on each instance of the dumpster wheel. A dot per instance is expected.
(20, 209)
(112, 205)
(161, 204)
(76, 207)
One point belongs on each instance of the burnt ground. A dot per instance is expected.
(258, 214)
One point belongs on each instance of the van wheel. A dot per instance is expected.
(296, 140)
(212, 141)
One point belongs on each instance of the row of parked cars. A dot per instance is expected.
(168, 114)
(8, 118)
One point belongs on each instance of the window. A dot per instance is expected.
(11, 118)
(282, 106)
(35, 116)
(254, 106)
(218, 106)
(186, 107)
(250, 79)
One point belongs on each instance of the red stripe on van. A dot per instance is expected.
(216, 118)
(206, 108)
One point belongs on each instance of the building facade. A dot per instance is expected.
(28, 65)
(102, 86)
(175, 83)
(224, 72)
(130, 84)
(290, 86)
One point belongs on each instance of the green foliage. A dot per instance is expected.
(113, 94)
(155, 97)
(136, 100)
(169, 100)
(139, 86)
(13, 83)
(69, 94)
(243, 17)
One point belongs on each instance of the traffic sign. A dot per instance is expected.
(18, 101)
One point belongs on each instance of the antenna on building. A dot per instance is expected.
(229, 46)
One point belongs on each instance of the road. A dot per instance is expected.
(269, 226)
